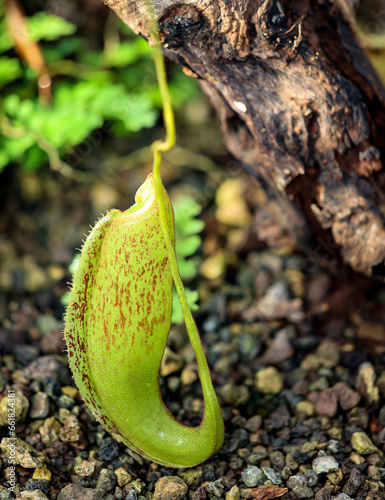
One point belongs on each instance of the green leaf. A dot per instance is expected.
(182, 87)
(63, 48)
(10, 70)
(11, 104)
(91, 58)
(6, 41)
(74, 264)
(44, 26)
(187, 268)
(16, 147)
(127, 52)
(34, 158)
(187, 228)
(192, 298)
(187, 246)
(65, 298)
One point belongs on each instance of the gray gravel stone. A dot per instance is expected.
(65, 401)
(254, 423)
(325, 464)
(5, 494)
(311, 478)
(303, 492)
(33, 495)
(170, 488)
(48, 366)
(272, 475)
(109, 449)
(76, 492)
(106, 480)
(334, 446)
(343, 496)
(362, 443)
(354, 482)
(252, 476)
(295, 481)
(25, 354)
(20, 405)
(216, 487)
(40, 405)
(25, 454)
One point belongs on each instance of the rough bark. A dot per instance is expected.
(300, 106)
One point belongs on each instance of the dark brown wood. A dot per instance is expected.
(300, 106)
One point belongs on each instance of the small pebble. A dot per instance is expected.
(347, 397)
(68, 390)
(188, 376)
(303, 492)
(109, 449)
(366, 383)
(170, 488)
(273, 476)
(20, 405)
(39, 405)
(305, 407)
(325, 403)
(253, 424)
(280, 349)
(215, 487)
(123, 476)
(42, 474)
(329, 353)
(269, 380)
(50, 431)
(335, 477)
(33, 495)
(311, 478)
(193, 477)
(65, 401)
(25, 454)
(106, 480)
(48, 366)
(77, 492)
(41, 484)
(252, 476)
(354, 482)
(25, 354)
(234, 395)
(233, 494)
(325, 464)
(296, 480)
(362, 443)
(52, 387)
(171, 362)
(357, 459)
(85, 468)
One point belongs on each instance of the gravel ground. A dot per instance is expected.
(297, 360)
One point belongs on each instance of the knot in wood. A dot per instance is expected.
(178, 25)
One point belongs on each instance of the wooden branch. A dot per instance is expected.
(300, 106)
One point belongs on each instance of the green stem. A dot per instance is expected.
(158, 147)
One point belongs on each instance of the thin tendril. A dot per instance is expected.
(157, 148)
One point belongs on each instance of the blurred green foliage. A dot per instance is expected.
(187, 242)
(187, 229)
(115, 83)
